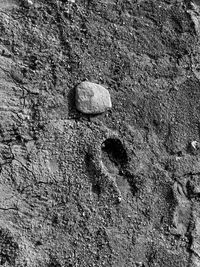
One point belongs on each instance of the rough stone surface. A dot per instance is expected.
(27, 3)
(117, 190)
(92, 98)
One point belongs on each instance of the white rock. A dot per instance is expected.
(28, 3)
(195, 147)
(92, 98)
(194, 144)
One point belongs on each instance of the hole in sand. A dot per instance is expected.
(114, 155)
(115, 159)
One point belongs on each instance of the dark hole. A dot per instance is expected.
(38, 243)
(179, 153)
(55, 219)
(96, 189)
(114, 150)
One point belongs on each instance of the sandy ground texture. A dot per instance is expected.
(119, 189)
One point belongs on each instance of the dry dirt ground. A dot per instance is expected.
(121, 189)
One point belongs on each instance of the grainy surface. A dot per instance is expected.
(120, 189)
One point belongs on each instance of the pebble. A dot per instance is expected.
(92, 98)
(28, 3)
(194, 147)
(194, 144)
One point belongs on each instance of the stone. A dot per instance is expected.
(28, 3)
(92, 98)
(194, 144)
(194, 147)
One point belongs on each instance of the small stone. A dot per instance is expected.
(27, 3)
(92, 98)
(194, 147)
(194, 144)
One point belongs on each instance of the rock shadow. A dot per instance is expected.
(71, 101)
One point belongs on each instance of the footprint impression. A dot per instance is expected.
(115, 159)
(107, 164)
